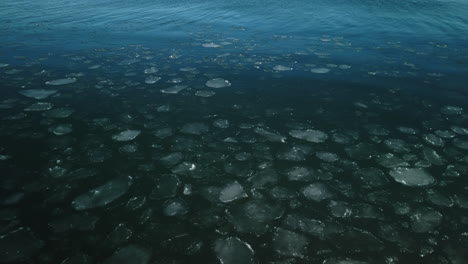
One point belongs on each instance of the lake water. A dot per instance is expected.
(234, 132)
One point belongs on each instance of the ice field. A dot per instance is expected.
(234, 132)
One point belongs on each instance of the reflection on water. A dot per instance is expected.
(445, 20)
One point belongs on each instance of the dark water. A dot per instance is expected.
(234, 132)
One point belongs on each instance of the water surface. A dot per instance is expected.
(233, 131)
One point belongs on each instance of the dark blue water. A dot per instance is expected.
(233, 132)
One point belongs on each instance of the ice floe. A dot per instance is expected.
(152, 79)
(37, 93)
(425, 219)
(211, 45)
(317, 192)
(174, 89)
(461, 143)
(315, 136)
(232, 250)
(270, 134)
(232, 192)
(221, 123)
(175, 207)
(290, 244)
(59, 112)
(282, 68)
(103, 194)
(452, 110)
(62, 129)
(320, 70)
(217, 83)
(126, 135)
(151, 70)
(63, 81)
(39, 106)
(254, 216)
(205, 93)
(412, 176)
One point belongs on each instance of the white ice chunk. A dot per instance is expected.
(327, 156)
(233, 191)
(288, 243)
(254, 216)
(59, 112)
(412, 176)
(452, 110)
(270, 135)
(295, 153)
(370, 178)
(102, 195)
(282, 68)
(175, 207)
(39, 106)
(205, 93)
(37, 93)
(460, 130)
(389, 160)
(434, 140)
(61, 81)
(299, 174)
(312, 227)
(174, 89)
(317, 192)
(187, 69)
(5, 157)
(171, 159)
(445, 134)
(152, 79)
(62, 129)
(425, 219)
(397, 145)
(439, 199)
(175, 80)
(221, 123)
(460, 143)
(151, 70)
(310, 135)
(163, 133)
(232, 250)
(211, 45)
(432, 156)
(218, 83)
(126, 135)
(408, 130)
(320, 70)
